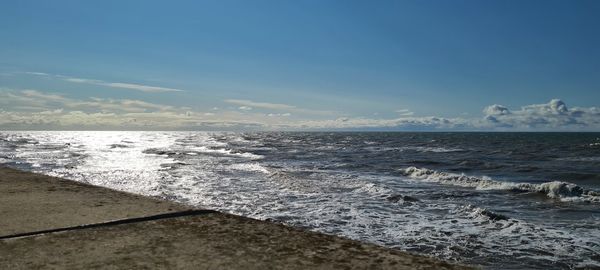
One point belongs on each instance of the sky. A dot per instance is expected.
(300, 65)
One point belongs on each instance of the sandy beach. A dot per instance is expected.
(99, 228)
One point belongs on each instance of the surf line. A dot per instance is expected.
(193, 212)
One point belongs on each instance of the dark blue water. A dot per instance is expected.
(529, 157)
(497, 200)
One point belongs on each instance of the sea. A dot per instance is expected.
(494, 200)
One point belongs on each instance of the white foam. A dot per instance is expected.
(226, 152)
(555, 189)
(335, 201)
(251, 167)
(432, 149)
(192, 151)
(482, 213)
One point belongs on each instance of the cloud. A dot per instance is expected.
(554, 115)
(121, 85)
(37, 73)
(33, 109)
(143, 88)
(249, 104)
(80, 80)
(403, 123)
(405, 112)
(555, 106)
(130, 86)
(262, 105)
(496, 110)
(40, 101)
(279, 114)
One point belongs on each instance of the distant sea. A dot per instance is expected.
(497, 200)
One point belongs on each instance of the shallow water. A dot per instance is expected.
(499, 200)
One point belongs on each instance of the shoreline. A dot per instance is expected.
(66, 224)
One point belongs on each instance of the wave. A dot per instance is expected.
(250, 167)
(586, 159)
(482, 213)
(227, 152)
(118, 145)
(202, 150)
(432, 149)
(555, 189)
(420, 149)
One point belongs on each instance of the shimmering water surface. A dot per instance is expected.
(498, 200)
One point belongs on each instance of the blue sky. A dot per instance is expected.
(389, 65)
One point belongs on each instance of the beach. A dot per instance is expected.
(471, 198)
(198, 239)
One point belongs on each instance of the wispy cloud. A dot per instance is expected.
(37, 100)
(279, 114)
(37, 73)
(129, 86)
(143, 88)
(262, 105)
(33, 109)
(249, 104)
(121, 85)
(404, 112)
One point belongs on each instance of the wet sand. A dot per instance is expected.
(182, 239)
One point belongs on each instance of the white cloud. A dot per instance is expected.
(43, 96)
(80, 80)
(553, 115)
(411, 123)
(32, 109)
(262, 105)
(555, 106)
(36, 100)
(404, 112)
(130, 86)
(279, 114)
(278, 107)
(38, 73)
(122, 85)
(143, 88)
(496, 110)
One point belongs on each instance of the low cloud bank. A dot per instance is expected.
(31, 109)
(554, 115)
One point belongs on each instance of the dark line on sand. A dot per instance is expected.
(113, 223)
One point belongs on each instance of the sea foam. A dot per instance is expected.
(555, 189)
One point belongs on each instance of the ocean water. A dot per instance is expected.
(497, 200)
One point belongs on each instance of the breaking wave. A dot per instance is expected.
(482, 213)
(349, 185)
(555, 189)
